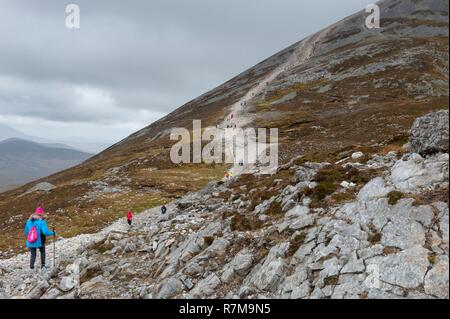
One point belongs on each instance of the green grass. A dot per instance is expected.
(344, 197)
(432, 259)
(375, 238)
(274, 210)
(296, 243)
(241, 222)
(394, 197)
(331, 281)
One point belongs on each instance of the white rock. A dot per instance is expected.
(269, 275)
(302, 222)
(416, 172)
(43, 187)
(66, 284)
(347, 185)
(206, 287)
(170, 288)
(436, 281)
(405, 269)
(375, 189)
(242, 262)
(403, 235)
(429, 134)
(354, 265)
(52, 294)
(302, 291)
(357, 155)
(298, 211)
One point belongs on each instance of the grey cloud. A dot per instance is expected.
(148, 57)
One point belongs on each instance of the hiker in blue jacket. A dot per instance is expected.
(38, 222)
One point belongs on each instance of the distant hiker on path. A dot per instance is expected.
(129, 217)
(163, 209)
(36, 230)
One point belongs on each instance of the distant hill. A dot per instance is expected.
(7, 132)
(77, 143)
(22, 161)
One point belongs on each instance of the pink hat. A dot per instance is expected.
(39, 210)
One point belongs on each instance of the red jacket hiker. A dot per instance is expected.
(129, 217)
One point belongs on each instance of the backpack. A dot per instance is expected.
(33, 235)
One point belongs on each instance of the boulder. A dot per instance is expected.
(66, 284)
(97, 287)
(170, 288)
(298, 211)
(414, 172)
(242, 262)
(41, 187)
(293, 281)
(302, 222)
(436, 281)
(206, 287)
(304, 174)
(429, 134)
(52, 294)
(38, 290)
(302, 291)
(357, 155)
(403, 234)
(406, 269)
(375, 189)
(269, 275)
(354, 265)
(184, 204)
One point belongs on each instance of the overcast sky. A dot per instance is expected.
(132, 62)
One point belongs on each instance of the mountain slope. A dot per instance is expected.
(375, 229)
(342, 89)
(22, 161)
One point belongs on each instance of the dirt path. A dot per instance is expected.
(238, 115)
(69, 247)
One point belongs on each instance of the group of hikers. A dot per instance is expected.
(230, 121)
(37, 231)
(130, 214)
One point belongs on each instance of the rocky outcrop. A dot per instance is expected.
(41, 187)
(414, 172)
(429, 134)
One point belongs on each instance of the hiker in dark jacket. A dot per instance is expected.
(37, 225)
(163, 209)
